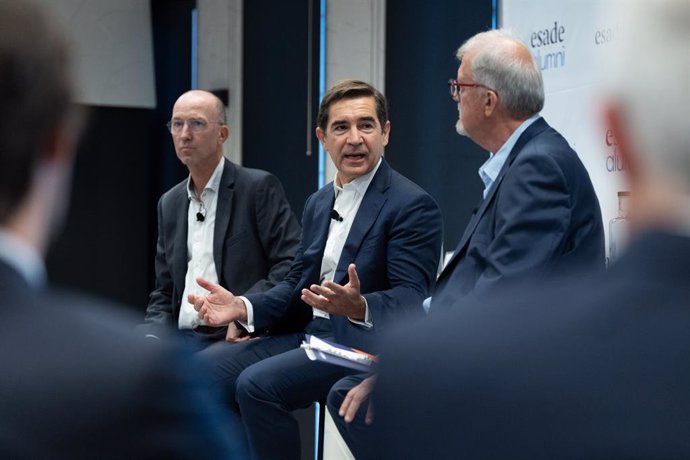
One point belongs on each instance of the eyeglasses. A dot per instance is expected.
(195, 125)
(454, 87)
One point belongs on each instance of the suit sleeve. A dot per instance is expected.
(413, 250)
(533, 212)
(159, 310)
(279, 231)
(271, 306)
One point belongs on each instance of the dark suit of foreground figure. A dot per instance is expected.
(75, 382)
(78, 384)
(224, 221)
(394, 243)
(592, 368)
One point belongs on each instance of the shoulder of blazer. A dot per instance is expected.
(536, 128)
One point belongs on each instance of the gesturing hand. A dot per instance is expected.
(336, 299)
(219, 307)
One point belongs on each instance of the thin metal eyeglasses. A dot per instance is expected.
(195, 125)
(454, 87)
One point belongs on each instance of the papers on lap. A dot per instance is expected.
(339, 355)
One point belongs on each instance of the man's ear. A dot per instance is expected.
(224, 133)
(386, 132)
(490, 102)
(321, 136)
(614, 118)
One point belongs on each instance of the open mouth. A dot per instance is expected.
(354, 156)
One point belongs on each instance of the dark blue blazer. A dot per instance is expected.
(395, 242)
(254, 239)
(541, 210)
(77, 383)
(596, 368)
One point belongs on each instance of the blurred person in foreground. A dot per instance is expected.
(568, 368)
(75, 381)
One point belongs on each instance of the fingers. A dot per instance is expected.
(209, 286)
(349, 407)
(314, 300)
(369, 418)
(354, 277)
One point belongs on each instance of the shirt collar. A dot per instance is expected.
(22, 257)
(360, 184)
(491, 167)
(213, 182)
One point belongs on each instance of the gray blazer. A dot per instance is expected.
(255, 238)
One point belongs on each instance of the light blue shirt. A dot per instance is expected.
(23, 258)
(488, 172)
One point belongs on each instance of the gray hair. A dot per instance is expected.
(649, 78)
(517, 81)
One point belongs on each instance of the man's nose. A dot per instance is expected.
(354, 136)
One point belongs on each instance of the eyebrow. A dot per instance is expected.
(359, 120)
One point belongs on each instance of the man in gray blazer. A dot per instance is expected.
(226, 223)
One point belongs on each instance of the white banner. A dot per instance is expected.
(567, 39)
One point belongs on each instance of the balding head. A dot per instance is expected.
(209, 98)
(502, 63)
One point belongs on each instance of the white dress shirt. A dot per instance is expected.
(200, 245)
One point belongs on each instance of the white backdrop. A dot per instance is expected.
(567, 39)
(113, 47)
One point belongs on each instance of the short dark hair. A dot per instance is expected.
(351, 89)
(35, 94)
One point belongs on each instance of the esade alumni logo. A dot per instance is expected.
(548, 46)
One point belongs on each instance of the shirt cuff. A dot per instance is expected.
(368, 320)
(249, 325)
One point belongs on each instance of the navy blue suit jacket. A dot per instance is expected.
(541, 210)
(254, 239)
(584, 369)
(77, 383)
(395, 242)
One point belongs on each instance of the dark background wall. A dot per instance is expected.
(420, 58)
(126, 159)
(274, 114)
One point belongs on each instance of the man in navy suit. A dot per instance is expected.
(538, 208)
(369, 254)
(226, 223)
(570, 368)
(76, 383)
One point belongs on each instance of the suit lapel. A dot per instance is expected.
(320, 225)
(181, 207)
(369, 209)
(535, 128)
(223, 213)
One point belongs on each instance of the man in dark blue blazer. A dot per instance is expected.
(76, 383)
(227, 223)
(369, 254)
(538, 208)
(591, 368)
